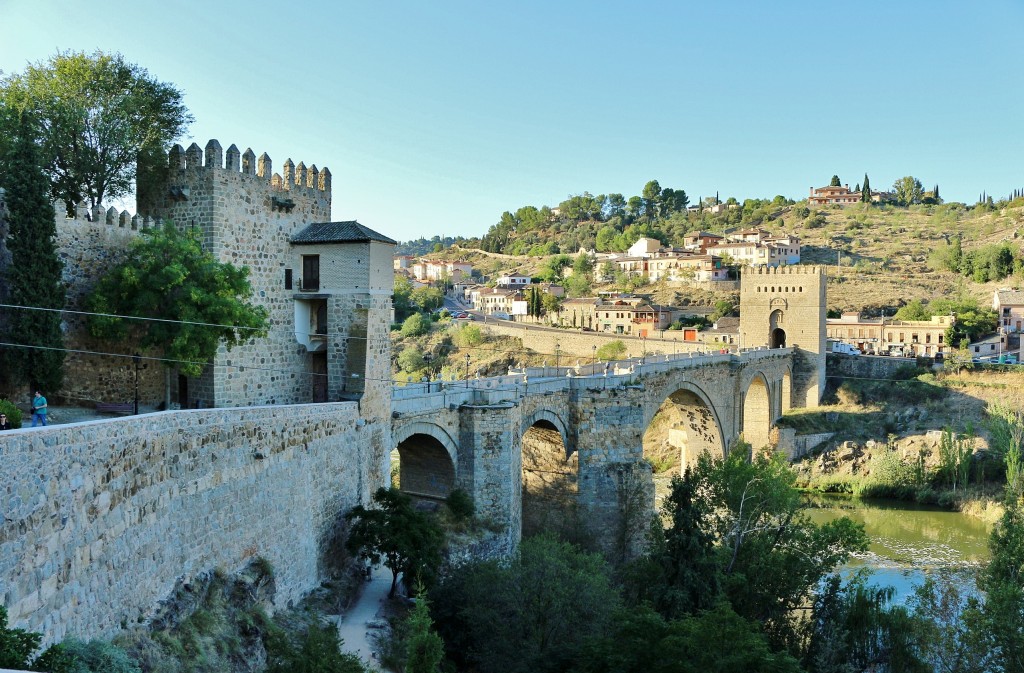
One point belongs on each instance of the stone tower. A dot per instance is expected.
(320, 333)
(785, 307)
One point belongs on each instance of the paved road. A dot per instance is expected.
(352, 627)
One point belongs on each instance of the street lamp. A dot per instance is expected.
(467, 370)
(556, 358)
(136, 359)
(593, 349)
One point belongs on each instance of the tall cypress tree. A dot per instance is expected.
(865, 191)
(33, 278)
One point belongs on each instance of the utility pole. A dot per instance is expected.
(136, 359)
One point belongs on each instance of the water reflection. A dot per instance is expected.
(907, 541)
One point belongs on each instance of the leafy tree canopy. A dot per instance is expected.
(907, 190)
(835, 182)
(392, 531)
(198, 302)
(99, 114)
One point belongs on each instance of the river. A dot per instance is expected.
(907, 541)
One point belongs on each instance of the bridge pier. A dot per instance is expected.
(491, 464)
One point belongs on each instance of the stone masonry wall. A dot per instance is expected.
(89, 244)
(102, 518)
(247, 216)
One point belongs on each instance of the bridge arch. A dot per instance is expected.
(683, 426)
(550, 477)
(556, 423)
(759, 412)
(427, 460)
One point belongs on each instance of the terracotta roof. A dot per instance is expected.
(339, 232)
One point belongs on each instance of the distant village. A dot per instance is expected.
(705, 261)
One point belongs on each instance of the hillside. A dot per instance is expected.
(881, 257)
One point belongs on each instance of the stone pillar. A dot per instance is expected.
(491, 463)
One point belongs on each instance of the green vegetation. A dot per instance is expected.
(198, 302)
(18, 650)
(100, 115)
(393, 532)
(12, 412)
(32, 278)
(613, 350)
(318, 651)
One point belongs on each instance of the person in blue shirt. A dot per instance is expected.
(38, 409)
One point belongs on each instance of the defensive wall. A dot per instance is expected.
(575, 344)
(105, 517)
(865, 366)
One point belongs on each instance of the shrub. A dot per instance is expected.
(611, 351)
(13, 413)
(411, 360)
(99, 656)
(318, 652)
(415, 325)
(460, 504)
(468, 336)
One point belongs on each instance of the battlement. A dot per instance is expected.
(213, 157)
(99, 216)
(796, 270)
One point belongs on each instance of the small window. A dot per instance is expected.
(287, 279)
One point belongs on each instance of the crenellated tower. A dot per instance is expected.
(320, 336)
(785, 307)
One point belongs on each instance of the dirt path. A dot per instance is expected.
(353, 626)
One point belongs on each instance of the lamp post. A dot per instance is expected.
(136, 359)
(593, 360)
(467, 370)
(557, 353)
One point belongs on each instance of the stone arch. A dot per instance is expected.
(685, 425)
(427, 460)
(556, 423)
(786, 392)
(776, 329)
(550, 478)
(758, 412)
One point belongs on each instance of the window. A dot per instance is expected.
(310, 272)
(287, 279)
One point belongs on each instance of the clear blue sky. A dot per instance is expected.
(434, 117)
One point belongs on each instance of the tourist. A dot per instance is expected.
(38, 409)
(4, 423)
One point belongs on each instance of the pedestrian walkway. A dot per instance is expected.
(357, 637)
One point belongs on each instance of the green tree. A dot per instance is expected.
(100, 115)
(402, 297)
(835, 182)
(771, 553)
(957, 360)
(319, 651)
(651, 199)
(713, 641)
(550, 303)
(1000, 623)
(33, 277)
(680, 575)
(415, 325)
(424, 648)
(531, 614)
(17, 647)
(865, 191)
(189, 302)
(913, 310)
(428, 298)
(407, 541)
(613, 350)
(582, 265)
(411, 360)
(908, 190)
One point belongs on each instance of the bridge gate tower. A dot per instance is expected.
(784, 307)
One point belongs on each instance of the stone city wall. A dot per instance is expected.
(574, 344)
(101, 519)
(865, 366)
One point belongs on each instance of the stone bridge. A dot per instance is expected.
(565, 447)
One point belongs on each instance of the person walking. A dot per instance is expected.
(4, 423)
(38, 409)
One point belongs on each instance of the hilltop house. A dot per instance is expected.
(1009, 306)
(842, 196)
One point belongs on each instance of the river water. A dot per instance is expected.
(907, 541)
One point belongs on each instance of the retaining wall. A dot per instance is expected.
(102, 518)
